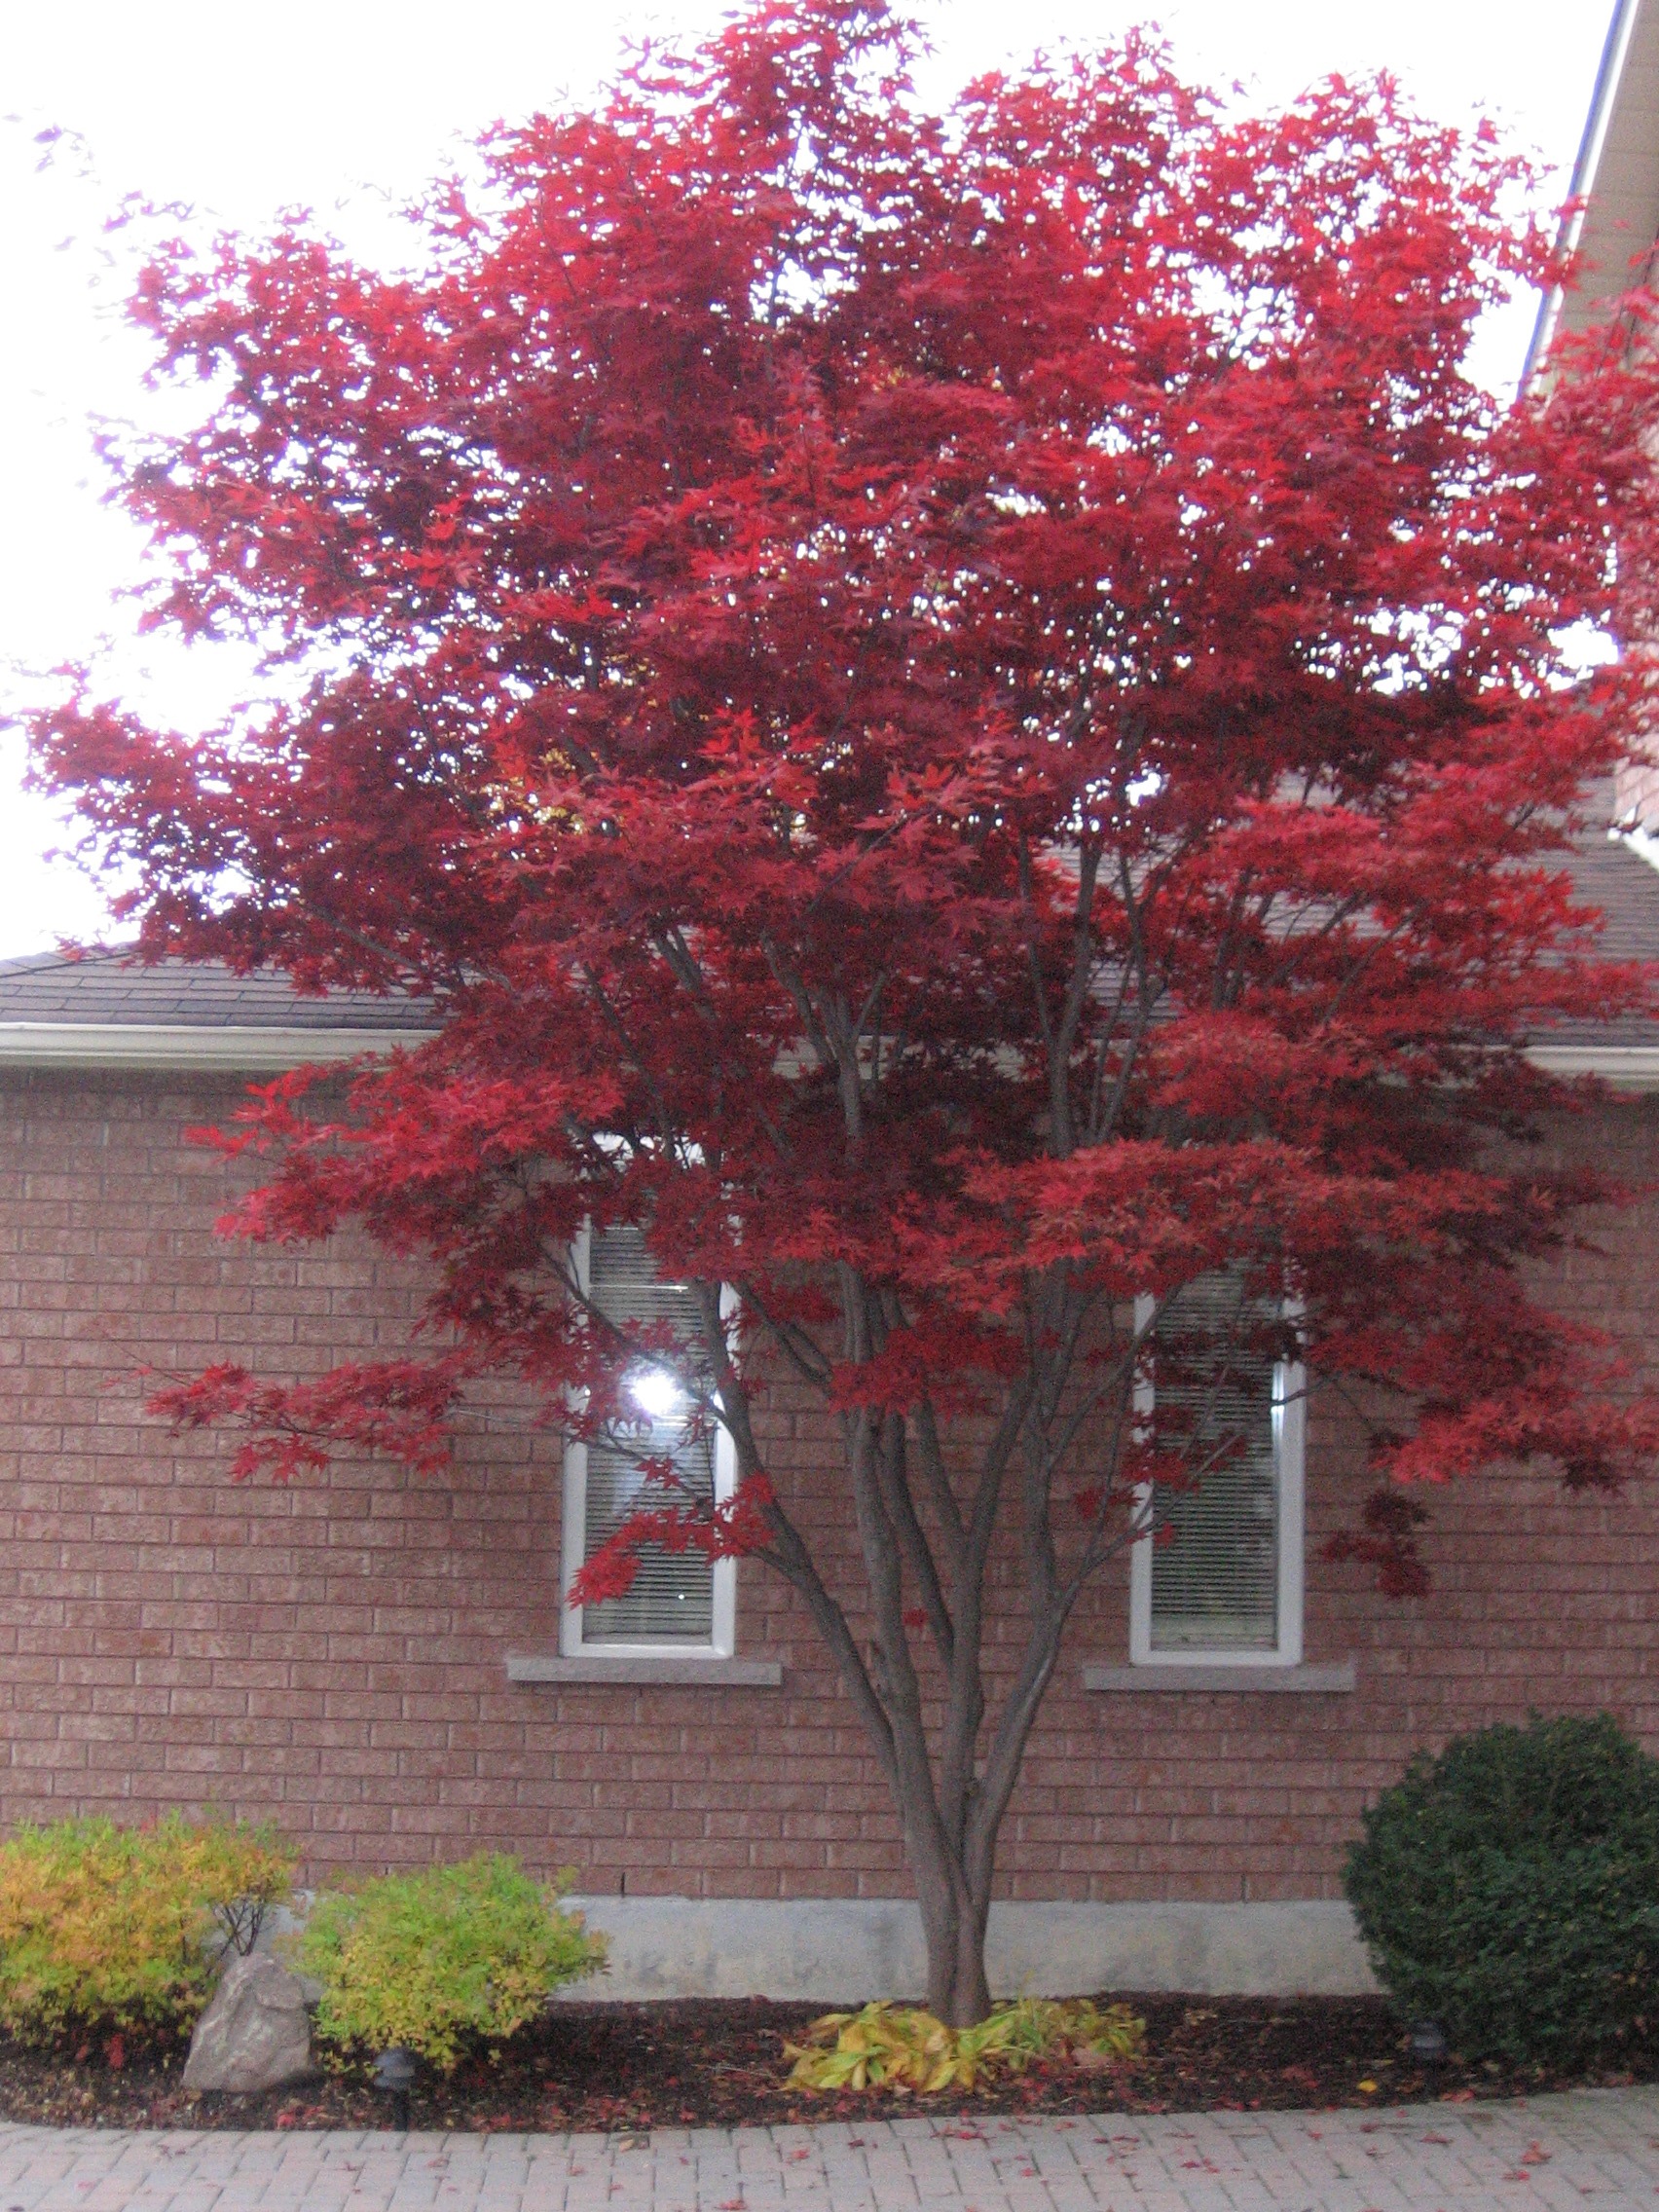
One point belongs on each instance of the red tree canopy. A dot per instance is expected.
(963, 716)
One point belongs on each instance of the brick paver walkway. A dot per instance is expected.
(1597, 2149)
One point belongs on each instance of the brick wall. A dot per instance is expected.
(331, 1654)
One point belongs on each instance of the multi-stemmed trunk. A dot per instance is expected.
(926, 1561)
(931, 1514)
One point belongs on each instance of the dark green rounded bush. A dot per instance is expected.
(1509, 1890)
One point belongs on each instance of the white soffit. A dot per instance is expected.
(1616, 178)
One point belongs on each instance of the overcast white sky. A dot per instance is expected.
(346, 105)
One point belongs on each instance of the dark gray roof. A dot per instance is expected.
(1610, 874)
(106, 988)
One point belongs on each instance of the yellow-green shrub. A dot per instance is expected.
(110, 1929)
(902, 2048)
(440, 1960)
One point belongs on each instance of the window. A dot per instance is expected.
(1225, 1585)
(681, 1602)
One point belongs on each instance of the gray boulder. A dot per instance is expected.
(255, 2035)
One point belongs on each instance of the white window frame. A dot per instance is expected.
(573, 1538)
(1290, 1476)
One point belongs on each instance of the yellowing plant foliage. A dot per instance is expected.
(902, 2048)
(441, 1960)
(108, 1929)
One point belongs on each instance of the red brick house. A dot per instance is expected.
(386, 1664)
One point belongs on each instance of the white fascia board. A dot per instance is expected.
(1586, 173)
(1639, 840)
(179, 1047)
(228, 1049)
(1625, 1067)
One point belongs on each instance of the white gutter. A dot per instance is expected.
(1627, 1068)
(183, 1047)
(175, 1048)
(1639, 840)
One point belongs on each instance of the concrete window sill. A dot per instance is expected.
(1336, 1680)
(670, 1671)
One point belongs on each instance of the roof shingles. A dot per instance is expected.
(107, 990)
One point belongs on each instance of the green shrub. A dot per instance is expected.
(1509, 1890)
(111, 1930)
(440, 1960)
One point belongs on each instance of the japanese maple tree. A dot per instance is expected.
(963, 719)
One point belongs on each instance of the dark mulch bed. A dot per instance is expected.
(716, 2063)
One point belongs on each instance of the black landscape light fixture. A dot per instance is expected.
(394, 2077)
(1427, 2042)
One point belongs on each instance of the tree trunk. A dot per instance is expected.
(954, 1907)
(951, 1808)
(958, 1991)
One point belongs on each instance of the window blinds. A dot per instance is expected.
(1215, 1574)
(672, 1599)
